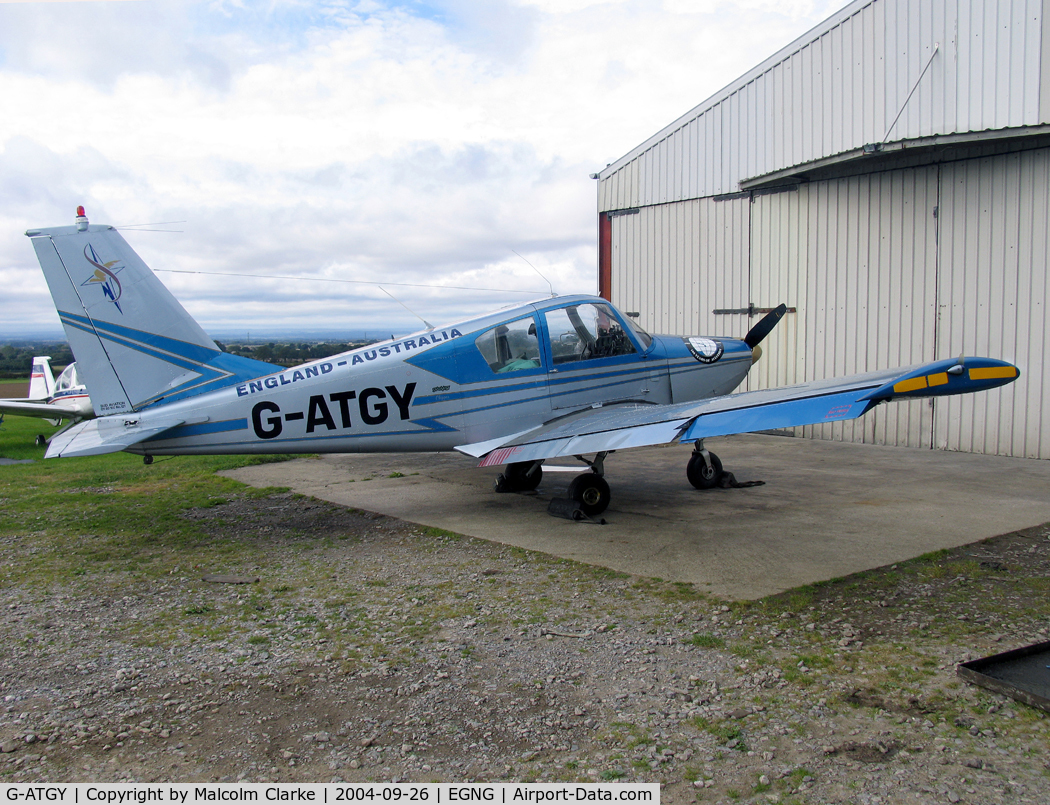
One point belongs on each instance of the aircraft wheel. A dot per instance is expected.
(700, 475)
(40, 440)
(519, 477)
(591, 492)
(147, 460)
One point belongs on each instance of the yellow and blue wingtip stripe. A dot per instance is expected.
(953, 376)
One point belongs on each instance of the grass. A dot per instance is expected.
(670, 592)
(724, 731)
(69, 521)
(707, 641)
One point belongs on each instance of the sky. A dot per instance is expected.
(433, 157)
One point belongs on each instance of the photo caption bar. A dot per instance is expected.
(334, 793)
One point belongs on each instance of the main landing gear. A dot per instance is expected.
(590, 491)
(523, 476)
(704, 468)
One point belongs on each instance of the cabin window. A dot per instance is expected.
(510, 347)
(584, 332)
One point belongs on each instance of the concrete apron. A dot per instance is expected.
(827, 509)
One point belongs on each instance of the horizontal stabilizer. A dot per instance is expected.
(31, 408)
(96, 437)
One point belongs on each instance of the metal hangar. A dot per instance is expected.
(887, 175)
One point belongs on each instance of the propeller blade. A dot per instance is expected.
(765, 325)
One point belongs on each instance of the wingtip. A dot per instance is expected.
(944, 378)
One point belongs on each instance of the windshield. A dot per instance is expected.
(643, 336)
(585, 331)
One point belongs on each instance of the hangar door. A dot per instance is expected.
(857, 257)
(993, 295)
(886, 269)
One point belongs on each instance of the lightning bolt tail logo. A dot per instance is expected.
(105, 275)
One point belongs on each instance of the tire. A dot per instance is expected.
(520, 480)
(40, 440)
(591, 493)
(700, 475)
(517, 478)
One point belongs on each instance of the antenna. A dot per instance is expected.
(538, 272)
(338, 279)
(138, 227)
(406, 307)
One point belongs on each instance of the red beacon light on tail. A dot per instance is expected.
(82, 221)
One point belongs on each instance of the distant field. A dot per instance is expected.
(14, 388)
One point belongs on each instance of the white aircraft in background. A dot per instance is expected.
(566, 376)
(50, 399)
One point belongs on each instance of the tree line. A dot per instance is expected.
(16, 358)
(289, 354)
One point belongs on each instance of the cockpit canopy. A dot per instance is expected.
(68, 379)
(578, 332)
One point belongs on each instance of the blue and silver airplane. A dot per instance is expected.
(566, 376)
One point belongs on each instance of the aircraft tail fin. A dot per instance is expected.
(41, 379)
(135, 344)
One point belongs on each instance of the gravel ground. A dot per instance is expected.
(364, 648)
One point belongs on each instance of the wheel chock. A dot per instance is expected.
(569, 510)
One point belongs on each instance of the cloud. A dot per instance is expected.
(414, 142)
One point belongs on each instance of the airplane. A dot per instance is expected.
(564, 376)
(54, 400)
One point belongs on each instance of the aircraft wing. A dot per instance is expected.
(610, 428)
(95, 437)
(32, 408)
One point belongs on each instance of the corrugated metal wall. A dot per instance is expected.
(993, 295)
(841, 86)
(875, 285)
(669, 262)
(869, 291)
